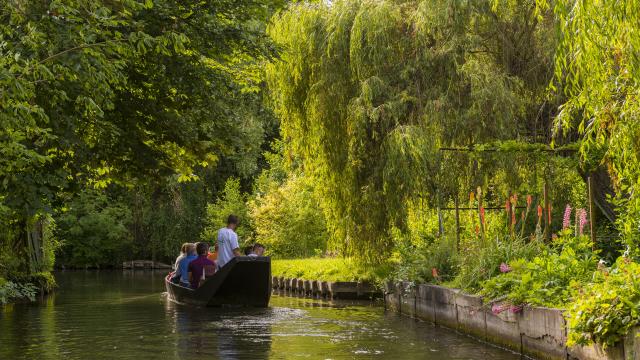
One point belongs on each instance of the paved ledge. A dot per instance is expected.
(535, 331)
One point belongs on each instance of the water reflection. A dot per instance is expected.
(223, 333)
(116, 315)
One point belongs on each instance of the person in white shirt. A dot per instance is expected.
(228, 247)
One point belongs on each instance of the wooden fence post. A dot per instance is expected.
(480, 213)
(591, 214)
(547, 210)
(457, 204)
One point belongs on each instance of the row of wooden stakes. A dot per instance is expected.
(325, 289)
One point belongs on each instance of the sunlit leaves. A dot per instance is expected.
(598, 69)
(368, 90)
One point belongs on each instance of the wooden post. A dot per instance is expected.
(591, 214)
(440, 220)
(480, 213)
(457, 204)
(547, 220)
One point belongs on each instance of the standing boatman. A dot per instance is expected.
(228, 247)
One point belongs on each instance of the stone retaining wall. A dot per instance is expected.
(534, 331)
(324, 289)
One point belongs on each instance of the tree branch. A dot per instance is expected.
(75, 48)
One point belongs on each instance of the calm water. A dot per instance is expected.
(116, 315)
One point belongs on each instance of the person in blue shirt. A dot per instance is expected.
(188, 254)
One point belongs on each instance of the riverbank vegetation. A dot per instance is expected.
(487, 145)
(328, 269)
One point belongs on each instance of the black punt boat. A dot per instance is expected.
(243, 281)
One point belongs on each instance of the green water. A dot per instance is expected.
(116, 315)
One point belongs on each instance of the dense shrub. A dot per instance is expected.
(95, 231)
(483, 262)
(549, 279)
(328, 269)
(289, 221)
(232, 201)
(433, 259)
(10, 290)
(605, 310)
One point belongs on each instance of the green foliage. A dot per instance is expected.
(481, 252)
(419, 250)
(100, 92)
(288, 219)
(549, 279)
(597, 69)
(231, 201)
(44, 281)
(482, 262)
(367, 91)
(95, 229)
(328, 269)
(604, 312)
(416, 262)
(11, 291)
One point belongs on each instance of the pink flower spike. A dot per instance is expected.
(566, 220)
(504, 268)
(582, 220)
(529, 200)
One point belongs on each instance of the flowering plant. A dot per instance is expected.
(566, 219)
(504, 268)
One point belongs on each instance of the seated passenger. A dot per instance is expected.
(258, 250)
(201, 267)
(247, 250)
(187, 249)
(213, 256)
(184, 265)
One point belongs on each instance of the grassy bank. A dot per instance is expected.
(328, 269)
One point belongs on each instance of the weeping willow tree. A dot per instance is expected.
(598, 70)
(368, 91)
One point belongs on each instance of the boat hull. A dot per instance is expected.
(243, 281)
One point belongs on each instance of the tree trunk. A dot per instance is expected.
(602, 188)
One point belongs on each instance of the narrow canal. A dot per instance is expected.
(125, 315)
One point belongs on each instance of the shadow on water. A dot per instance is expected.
(126, 315)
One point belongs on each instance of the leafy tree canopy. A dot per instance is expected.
(126, 91)
(367, 91)
(598, 70)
